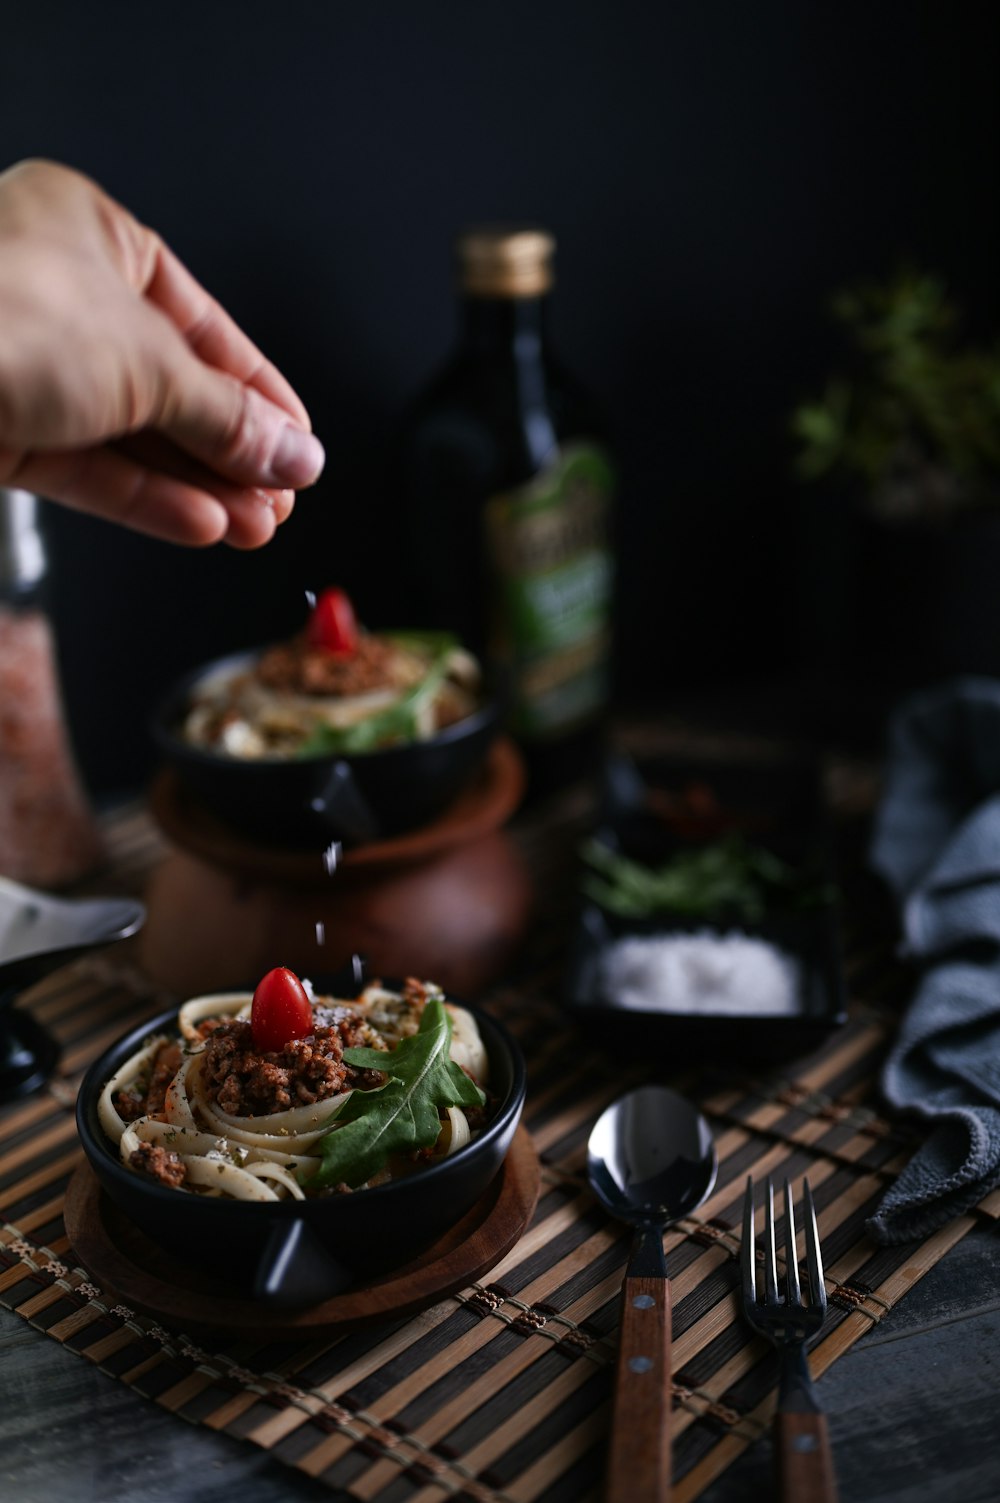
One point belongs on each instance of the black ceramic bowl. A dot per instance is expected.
(297, 1253)
(309, 801)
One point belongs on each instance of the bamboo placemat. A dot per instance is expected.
(501, 1392)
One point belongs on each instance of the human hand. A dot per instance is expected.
(126, 390)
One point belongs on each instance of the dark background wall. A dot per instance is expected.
(712, 170)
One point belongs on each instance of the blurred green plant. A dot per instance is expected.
(916, 416)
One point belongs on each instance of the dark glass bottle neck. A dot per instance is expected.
(498, 325)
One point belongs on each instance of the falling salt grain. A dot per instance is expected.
(724, 975)
(331, 857)
(320, 932)
(311, 599)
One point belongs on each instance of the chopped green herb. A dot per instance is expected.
(728, 876)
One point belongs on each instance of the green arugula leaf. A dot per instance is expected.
(402, 1115)
(397, 722)
(432, 642)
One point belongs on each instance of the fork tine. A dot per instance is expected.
(814, 1259)
(770, 1261)
(794, 1293)
(748, 1252)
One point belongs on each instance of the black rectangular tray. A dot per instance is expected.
(651, 809)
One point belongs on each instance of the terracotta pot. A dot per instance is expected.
(449, 902)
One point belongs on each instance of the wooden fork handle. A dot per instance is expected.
(639, 1453)
(804, 1461)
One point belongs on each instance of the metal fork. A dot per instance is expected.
(802, 1446)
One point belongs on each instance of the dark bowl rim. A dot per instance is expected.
(98, 1148)
(168, 706)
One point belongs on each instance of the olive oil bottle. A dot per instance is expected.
(507, 489)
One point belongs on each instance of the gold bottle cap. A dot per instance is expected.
(505, 261)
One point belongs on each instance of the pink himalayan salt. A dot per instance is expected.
(48, 836)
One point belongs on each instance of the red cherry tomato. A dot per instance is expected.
(332, 624)
(281, 1011)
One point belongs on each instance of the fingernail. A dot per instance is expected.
(298, 458)
(282, 504)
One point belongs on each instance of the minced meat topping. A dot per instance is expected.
(146, 1096)
(245, 1083)
(162, 1163)
(296, 667)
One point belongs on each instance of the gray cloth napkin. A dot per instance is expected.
(937, 844)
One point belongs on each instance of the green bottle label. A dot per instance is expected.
(551, 571)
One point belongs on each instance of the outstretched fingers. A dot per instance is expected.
(118, 488)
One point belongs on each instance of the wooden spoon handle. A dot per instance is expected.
(639, 1453)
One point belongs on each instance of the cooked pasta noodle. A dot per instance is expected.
(404, 689)
(163, 1106)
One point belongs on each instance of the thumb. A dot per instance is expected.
(229, 425)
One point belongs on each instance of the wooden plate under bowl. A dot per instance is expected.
(145, 1277)
(483, 806)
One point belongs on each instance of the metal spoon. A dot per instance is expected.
(650, 1161)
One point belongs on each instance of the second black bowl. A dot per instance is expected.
(307, 802)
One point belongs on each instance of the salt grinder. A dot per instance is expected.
(48, 835)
